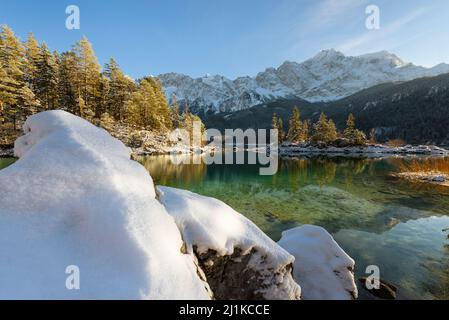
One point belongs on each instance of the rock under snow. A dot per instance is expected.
(75, 198)
(239, 260)
(323, 269)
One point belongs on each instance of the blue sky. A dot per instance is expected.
(233, 37)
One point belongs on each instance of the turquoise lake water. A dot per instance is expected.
(376, 218)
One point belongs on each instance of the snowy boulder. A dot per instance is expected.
(322, 268)
(74, 201)
(239, 260)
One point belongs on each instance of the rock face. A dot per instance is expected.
(239, 260)
(323, 269)
(329, 75)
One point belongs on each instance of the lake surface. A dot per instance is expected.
(377, 219)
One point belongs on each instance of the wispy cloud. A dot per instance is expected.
(318, 20)
(385, 36)
(330, 11)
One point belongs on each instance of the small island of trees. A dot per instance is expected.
(322, 133)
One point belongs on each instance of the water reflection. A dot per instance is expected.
(165, 171)
(377, 218)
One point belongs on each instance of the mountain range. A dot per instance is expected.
(328, 76)
(415, 111)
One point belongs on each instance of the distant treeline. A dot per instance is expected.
(416, 112)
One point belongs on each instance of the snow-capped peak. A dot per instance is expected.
(328, 54)
(385, 56)
(329, 75)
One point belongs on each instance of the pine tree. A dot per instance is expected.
(18, 100)
(350, 126)
(143, 107)
(32, 54)
(281, 132)
(324, 130)
(163, 108)
(306, 130)
(274, 122)
(175, 116)
(68, 85)
(120, 89)
(89, 74)
(332, 133)
(295, 130)
(46, 84)
(355, 137)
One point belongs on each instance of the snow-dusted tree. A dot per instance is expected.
(175, 116)
(88, 73)
(68, 85)
(324, 130)
(143, 108)
(295, 128)
(46, 83)
(355, 136)
(18, 100)
(120, 89)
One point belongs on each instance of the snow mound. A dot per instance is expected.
(75, 198)
(223, 239)
(323, 269)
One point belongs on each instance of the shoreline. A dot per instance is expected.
(377, 150)
(372, 151)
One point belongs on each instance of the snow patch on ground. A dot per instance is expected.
(322, 268)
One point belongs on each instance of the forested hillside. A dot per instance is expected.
(416, 111)
(33, 79)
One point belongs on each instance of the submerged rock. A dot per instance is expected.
(386, 290)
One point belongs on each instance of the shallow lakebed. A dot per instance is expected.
(376, 218)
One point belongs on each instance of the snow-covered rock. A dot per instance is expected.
(329, 75)
(323, 269)
(239, 260)
(75, 198)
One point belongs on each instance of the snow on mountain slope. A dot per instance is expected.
(76, 198)
(329, 75)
